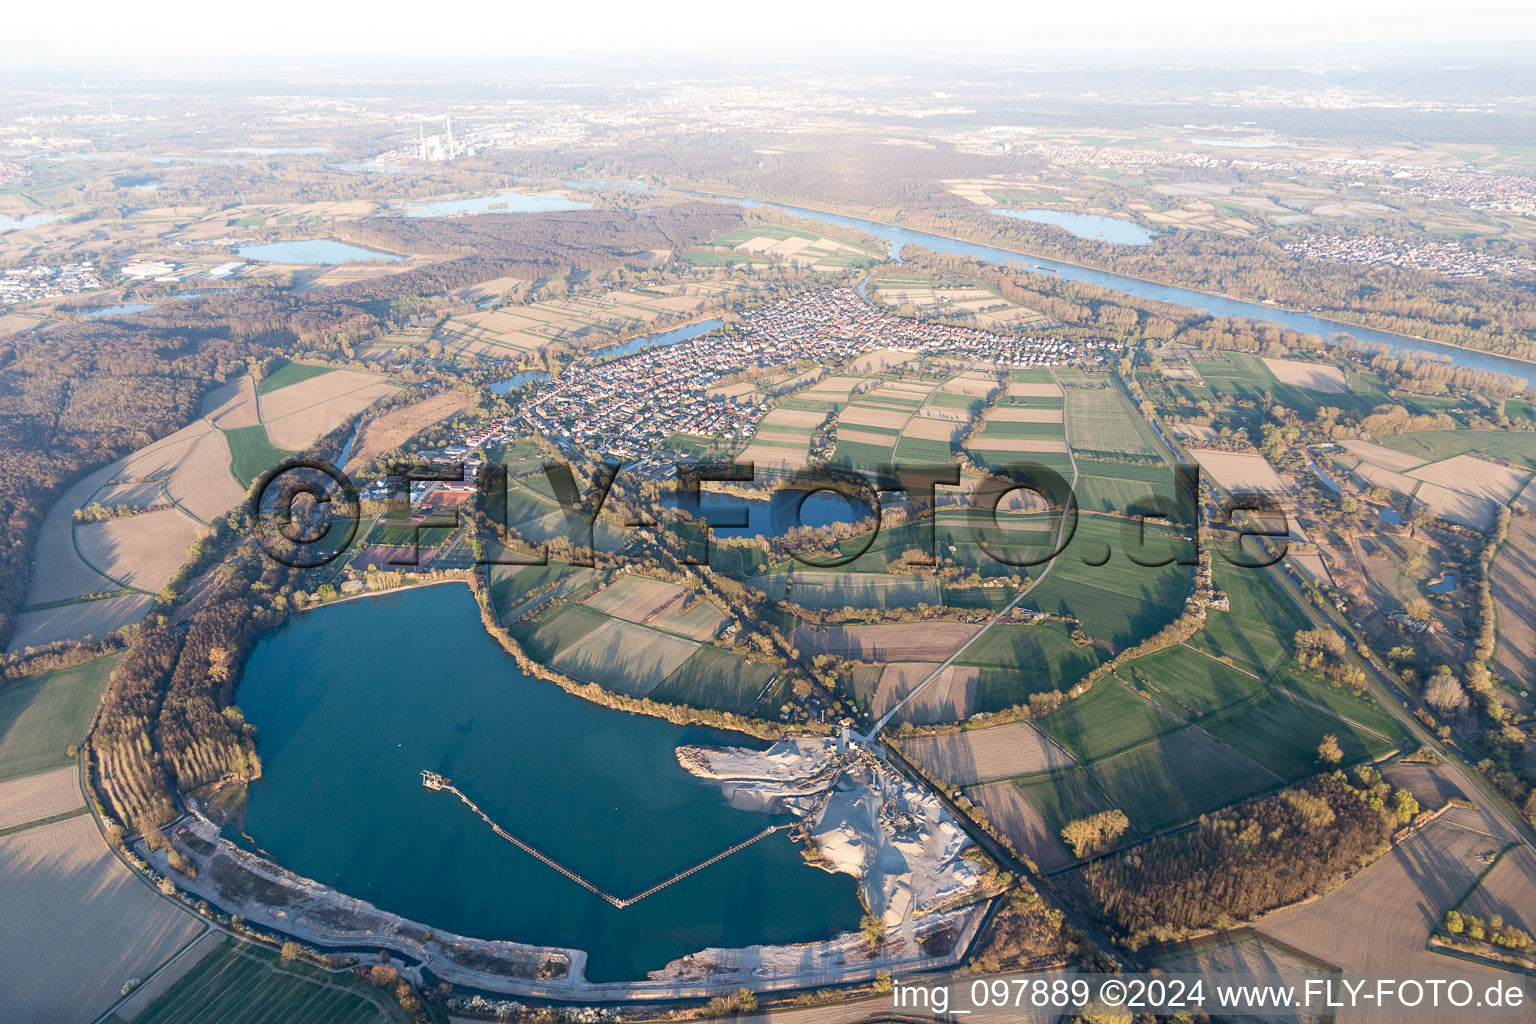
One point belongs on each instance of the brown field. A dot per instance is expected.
(939, 412)
(1040, 389)
(634, 598)
(795, 435)
(77, 924)
(397, 426)
(1195, 432)
(35, 797)
(1182, 372)
(701, 620)
(897, 641)
(766, 457)
(971, 385)
(1508, 891)
(1471, 475)
(1513, 581)
(1017, 444)
(202, 483)
(933, 429)
(1430, 784)
(139, 551)
(1016, 414)
(1370, 473)
(873, 416)
(950, 697)
(741, 387)
(1024, 826)
(295, 416)
(1378, 921)
(986, 755)
(1456, 506)
(1386, 458)
(233, 405)
(866, 437)
(836, 388)
(793, 418)
(79, 620)
(880, 359)
(1239, 472)
(1314, 376)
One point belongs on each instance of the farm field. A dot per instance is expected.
(1176, 777)
(392, 429)
(1312, 376)
(949, 697)
(1508, 890)
(885, 642)
(1197, 684)
(986, 755)
(1257, 631)
(1107, 719)
(1512, 446)
(777, 243)
(1282, 733)
(64, 957)
(517, 329)
(1032, 812)
(1238, 472)
(620, 656)
(723, 680)
(1102, 420)
(298, 414)
(243, 984)
(1512, 579)
(80, 619)
(1120, 487)
(832, 590)
(33, 798)
(288, 372)
(1396, 901)
(1017, 660)
(42, 716)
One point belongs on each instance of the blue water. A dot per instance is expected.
(1092, 226)
(1325, 478)
(776, 517)
(500, 202)
(1445, 586)
(1389, 515)
(313, 251)
(518, 379)
(131, 307)
(274, 150)
(659, 340)
(1215, 305)
(351, 703)
(29, 221)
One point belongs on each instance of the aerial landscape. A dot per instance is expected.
(698, 521)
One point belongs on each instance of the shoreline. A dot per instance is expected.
(1025, 254)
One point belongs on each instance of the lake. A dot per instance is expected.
(312, 251)
(29, 221)
(129, 307)
(1206, 302)
(353, 701)
(1092, 226)
(517, 380)
(500, 202)
(660, 339)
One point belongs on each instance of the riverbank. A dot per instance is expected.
(1252, 309)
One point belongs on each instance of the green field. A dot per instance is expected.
(1282, 733)
(1107, 719)
(1103, 420)
(1062, 796)
(1257, 632)
(1198, 684)
(289, 373)
(1017, 660)
(1118, 602)
(714, 678)
(244, 984)
(1177, 777)
(42, 716)
(833, 590)
(1514, 446)
(1118, 487)
(252, 454)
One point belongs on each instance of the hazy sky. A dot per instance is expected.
(1027, 31)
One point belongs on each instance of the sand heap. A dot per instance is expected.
(866, 819)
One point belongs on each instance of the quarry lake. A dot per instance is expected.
(352, 702)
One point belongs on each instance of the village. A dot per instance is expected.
(632, 406)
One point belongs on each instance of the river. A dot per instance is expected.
(353, 701)
(1216, 305)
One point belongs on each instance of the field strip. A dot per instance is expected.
(1024, 592)
(1292, 693)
